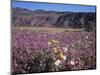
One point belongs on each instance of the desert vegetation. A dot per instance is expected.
(44, 41)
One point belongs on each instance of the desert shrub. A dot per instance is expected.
(40, 62)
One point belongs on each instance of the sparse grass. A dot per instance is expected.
(46, 29)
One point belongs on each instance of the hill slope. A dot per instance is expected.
(42, 18)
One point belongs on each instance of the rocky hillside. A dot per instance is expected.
(42, 18)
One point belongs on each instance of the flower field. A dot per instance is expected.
(34, 52)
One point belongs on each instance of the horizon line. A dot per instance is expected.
(52, 10)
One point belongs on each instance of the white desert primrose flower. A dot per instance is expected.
(65, 49)
(72, 62)
(57, 62)
(79, 41)
(87, 37)
(90, 42)
(44, 35)
(58, 47)
(64, 57)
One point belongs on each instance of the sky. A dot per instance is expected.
(53, 7)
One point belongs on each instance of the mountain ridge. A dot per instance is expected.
(43, 18)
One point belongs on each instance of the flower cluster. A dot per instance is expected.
(59, 53)
(46, 52)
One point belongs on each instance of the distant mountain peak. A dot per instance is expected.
(40, 10)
